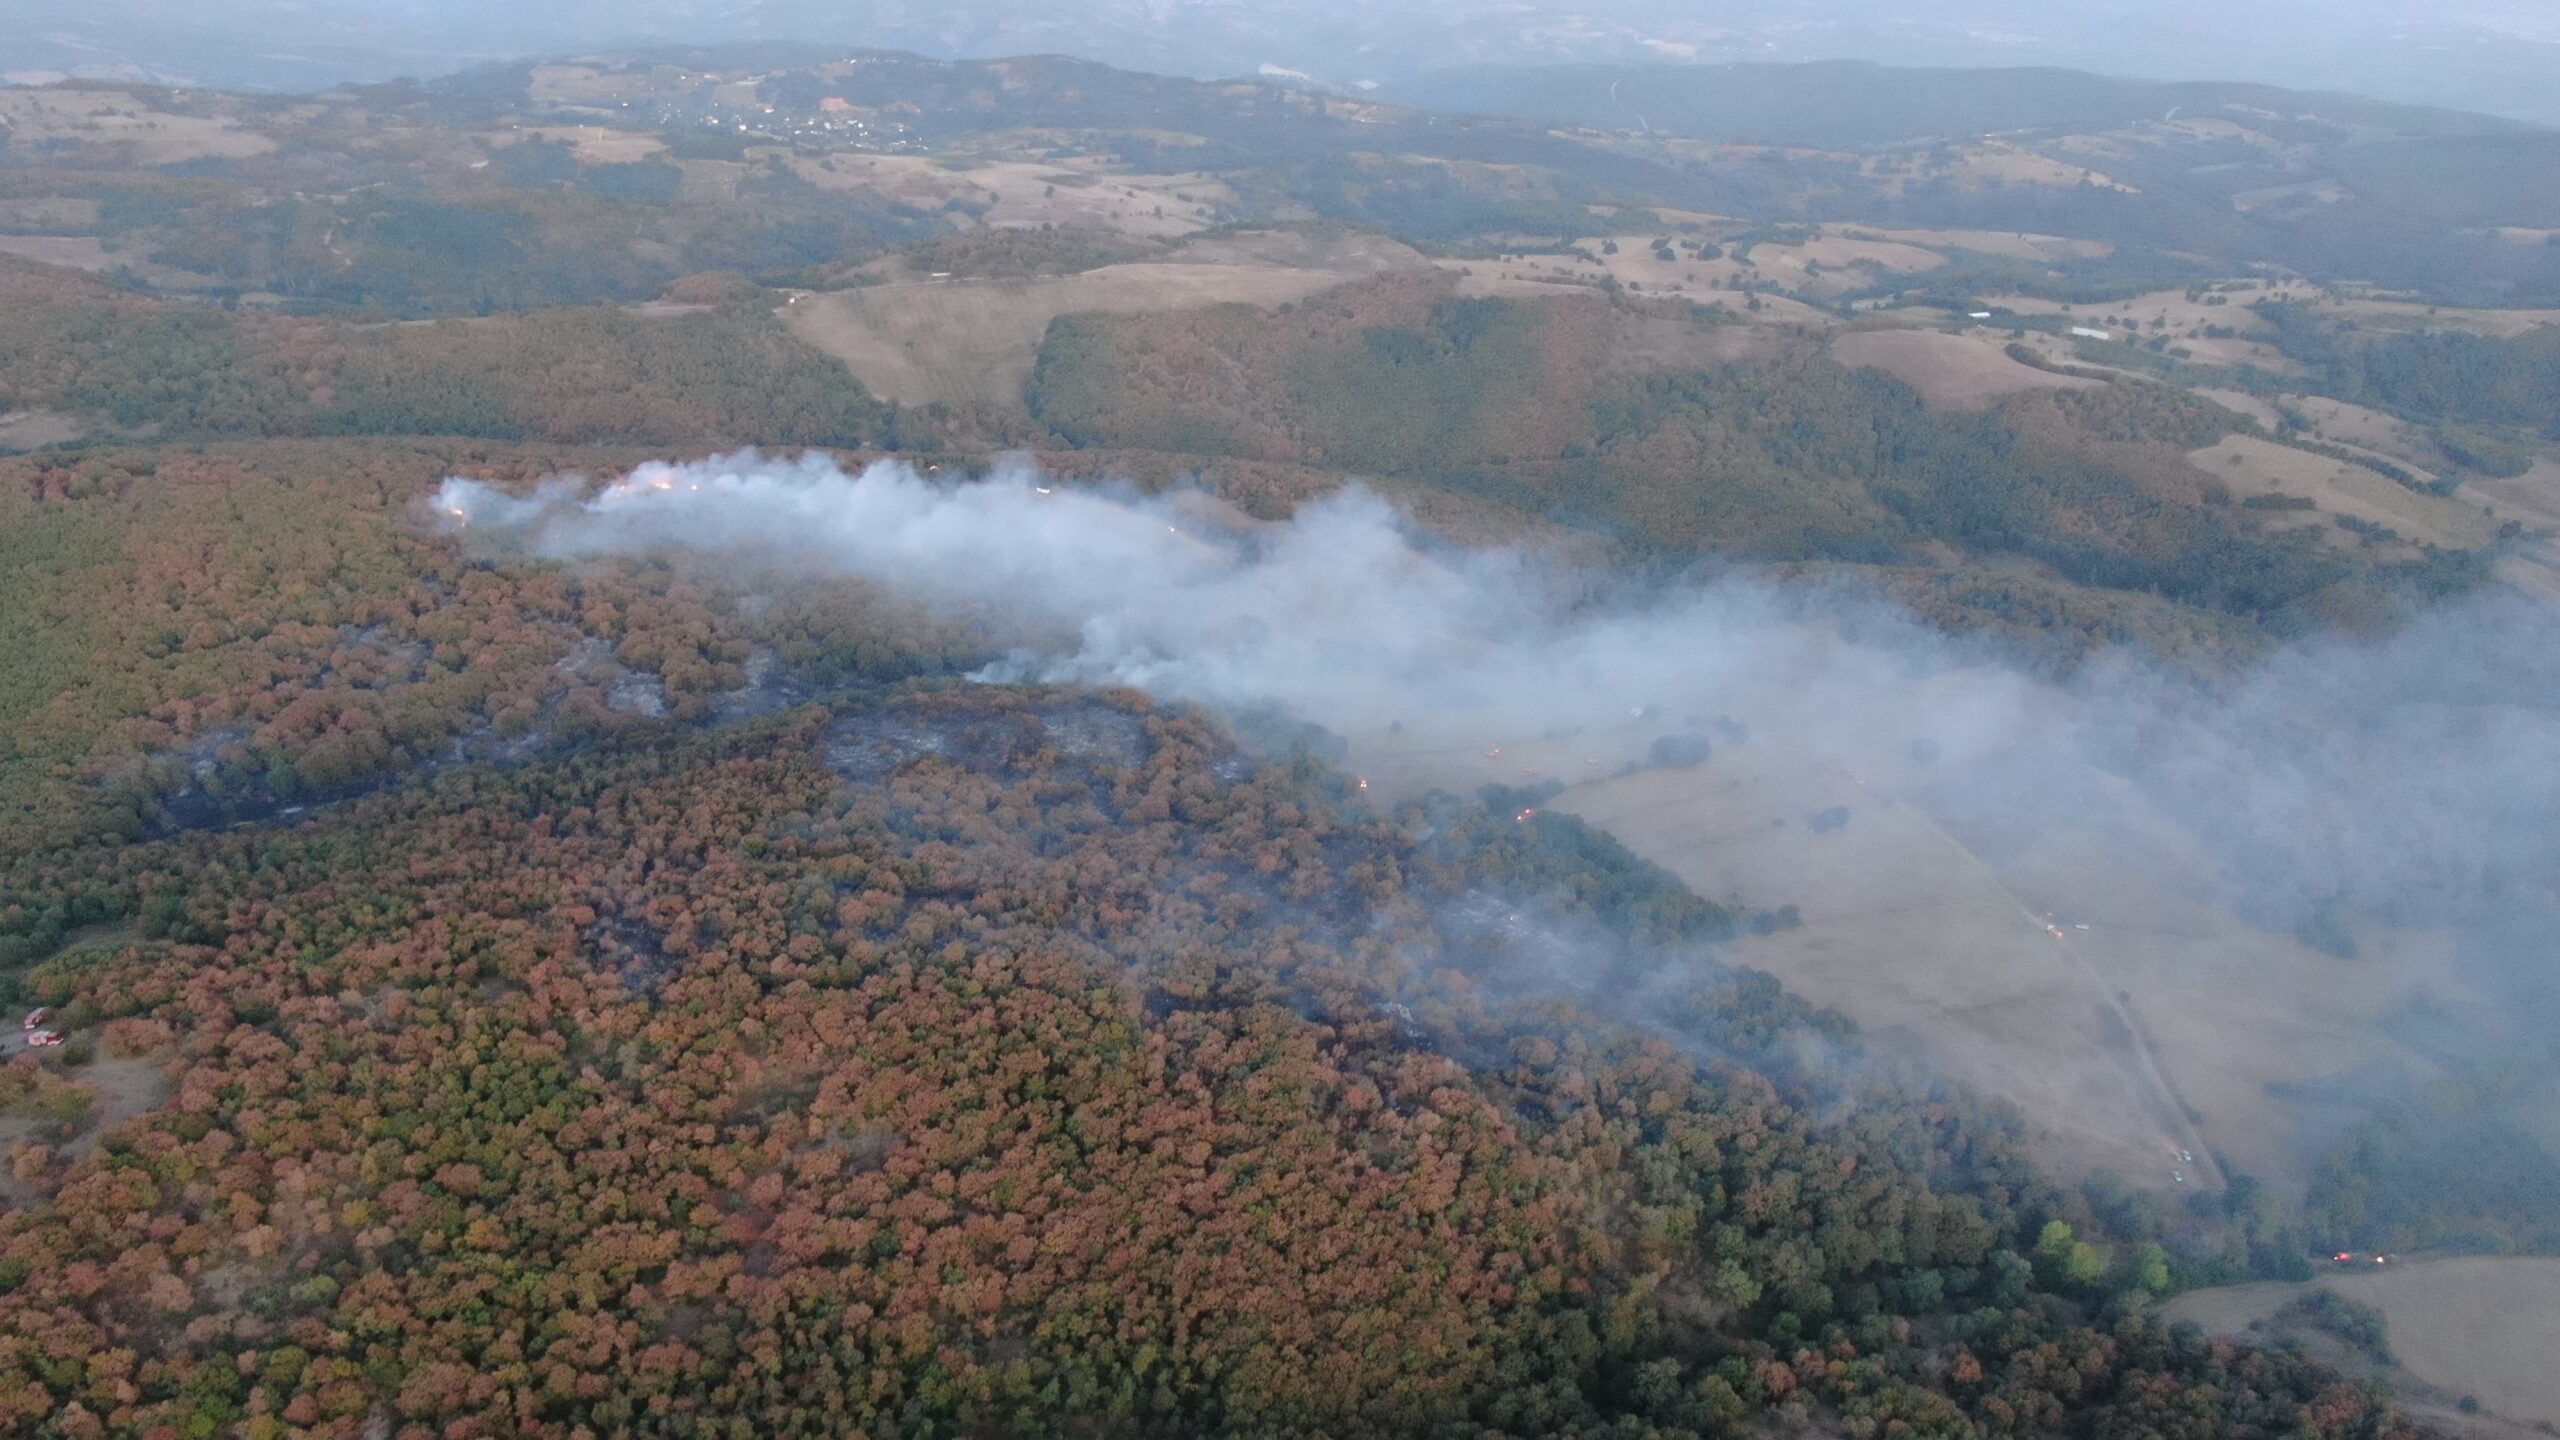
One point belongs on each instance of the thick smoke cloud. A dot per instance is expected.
(2415, 779)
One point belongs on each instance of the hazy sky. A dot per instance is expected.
(2486, 54)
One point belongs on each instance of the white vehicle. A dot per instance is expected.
(34, 1018)
(42, 1038)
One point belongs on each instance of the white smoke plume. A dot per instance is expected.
(2417, 778)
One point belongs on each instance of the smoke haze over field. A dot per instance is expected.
(2415, 778)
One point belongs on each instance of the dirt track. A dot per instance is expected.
(1911, 933)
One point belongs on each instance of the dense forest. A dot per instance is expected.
(713, 364)
(2457, 1167)
(509, 996)
(949, 1058)
(229, 629)
(1019, 1061)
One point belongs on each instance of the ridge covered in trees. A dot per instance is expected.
(506, 998)
(215, 632)
(1007, 1060)
(719, 370)
(1781, 455)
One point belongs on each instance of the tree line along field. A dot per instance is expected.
(2471, 1333)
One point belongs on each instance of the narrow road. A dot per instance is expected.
(1641, 123)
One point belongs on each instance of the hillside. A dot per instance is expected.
(1784, 455)
(783, 742)
(606, 178)
(880, 1064)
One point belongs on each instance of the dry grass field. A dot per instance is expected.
(89, 253)
(2470, 517)
(2241, 402)
(2486, 1326)
(2244, 1024)
(2341, 423)
(71, 252)
(972, 342)
(2532, 499)
(2262, 467)
(1021, 193)
(2407, 315)
(2056, 943)
(35, 429)
(579, 85)
(1958, 372)
(1826, 265)
(1990, 164)
(2171, 313)
(1831, 264)
(1906, 932)
(116, 119)
(49, 214)
(1700, 282)
(1984, 164)
(2008, 245)
(591, 144)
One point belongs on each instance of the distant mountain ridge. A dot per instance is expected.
(2479, 54)
(1855, 104)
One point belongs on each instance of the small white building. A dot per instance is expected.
(2085, 333)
